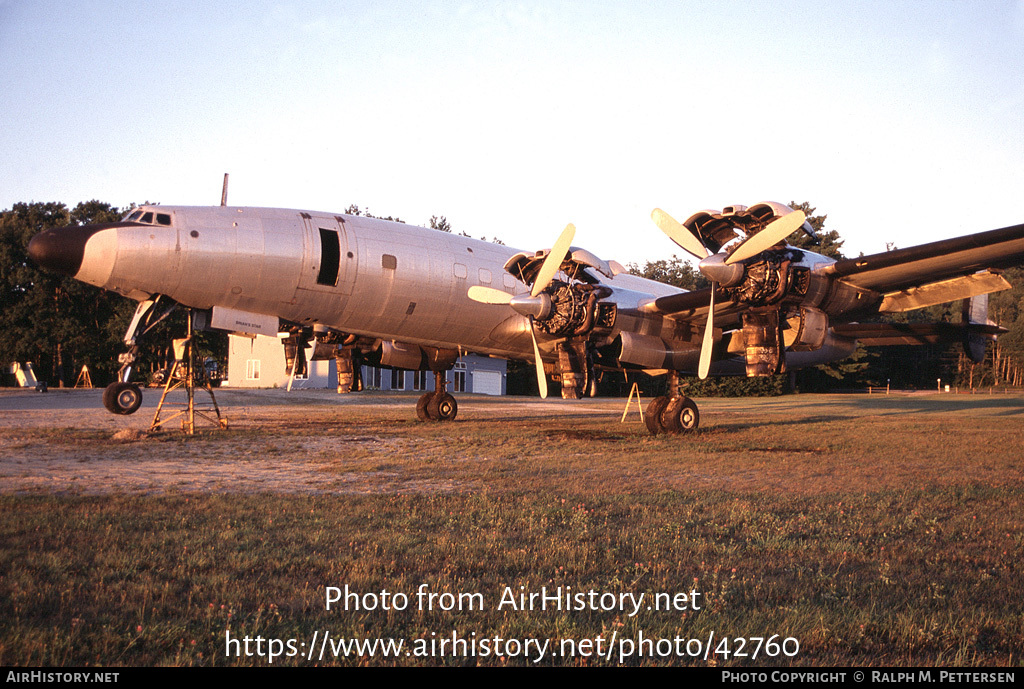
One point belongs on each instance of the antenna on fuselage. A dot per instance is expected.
(224, 191)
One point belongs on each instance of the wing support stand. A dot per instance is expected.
(672, 413)
(184, 375)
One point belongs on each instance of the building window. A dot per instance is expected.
(459, 377)
(252, 369)
(397, 379)
(419, 380)
(374, 379)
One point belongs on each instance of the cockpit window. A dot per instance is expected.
(149, 217)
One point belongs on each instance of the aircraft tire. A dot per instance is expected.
(122, 398)
(680, 416)
(421, 407)
(652, 417)
(443, 407)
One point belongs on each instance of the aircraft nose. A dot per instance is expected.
(62, 248)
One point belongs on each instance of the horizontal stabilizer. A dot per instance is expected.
(886, 334)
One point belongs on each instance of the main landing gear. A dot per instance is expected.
(438, 405)
(673, 413)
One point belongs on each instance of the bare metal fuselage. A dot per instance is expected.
(393, 281)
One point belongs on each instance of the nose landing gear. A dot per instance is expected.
(125, 397)
(122, 398)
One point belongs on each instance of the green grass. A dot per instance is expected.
(874, 531)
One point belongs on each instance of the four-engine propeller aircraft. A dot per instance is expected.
(422, 297)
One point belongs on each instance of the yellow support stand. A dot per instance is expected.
(183, 375)
(640, 407)
(84, 379)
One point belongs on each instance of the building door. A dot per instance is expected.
(487, 382)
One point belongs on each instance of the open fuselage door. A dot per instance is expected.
(328, 260)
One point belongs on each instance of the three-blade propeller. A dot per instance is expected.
(723, 269)
(538, 303)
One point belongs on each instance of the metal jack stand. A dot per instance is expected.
(183, 375)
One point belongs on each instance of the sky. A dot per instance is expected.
(902, 121)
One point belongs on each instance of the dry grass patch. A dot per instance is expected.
(874, 531)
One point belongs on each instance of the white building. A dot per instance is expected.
(258, 362)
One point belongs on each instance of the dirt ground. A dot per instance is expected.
(318, 442)
(65, 442)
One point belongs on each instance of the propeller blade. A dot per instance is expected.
(686, 240)
(769, 236)
(554, 260)
(709, 338)
(542, 378)
(488, 295)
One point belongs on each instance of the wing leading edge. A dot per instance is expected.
(904, 268)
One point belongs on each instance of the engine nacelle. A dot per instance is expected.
(647, 351)
(416, 358)
(806, 331)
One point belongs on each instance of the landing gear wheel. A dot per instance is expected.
(689, 417)
(652, 417)
(122, 398)
(680, 416)
(442, 407)
(421, 407)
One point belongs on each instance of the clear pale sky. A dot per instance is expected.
(903, 121)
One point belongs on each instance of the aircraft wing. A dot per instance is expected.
(904, 268)
(901, 280)
(685, 304)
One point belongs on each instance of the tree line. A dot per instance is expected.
(51, 320)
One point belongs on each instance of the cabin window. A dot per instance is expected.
(330, 257)
(388, 262)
